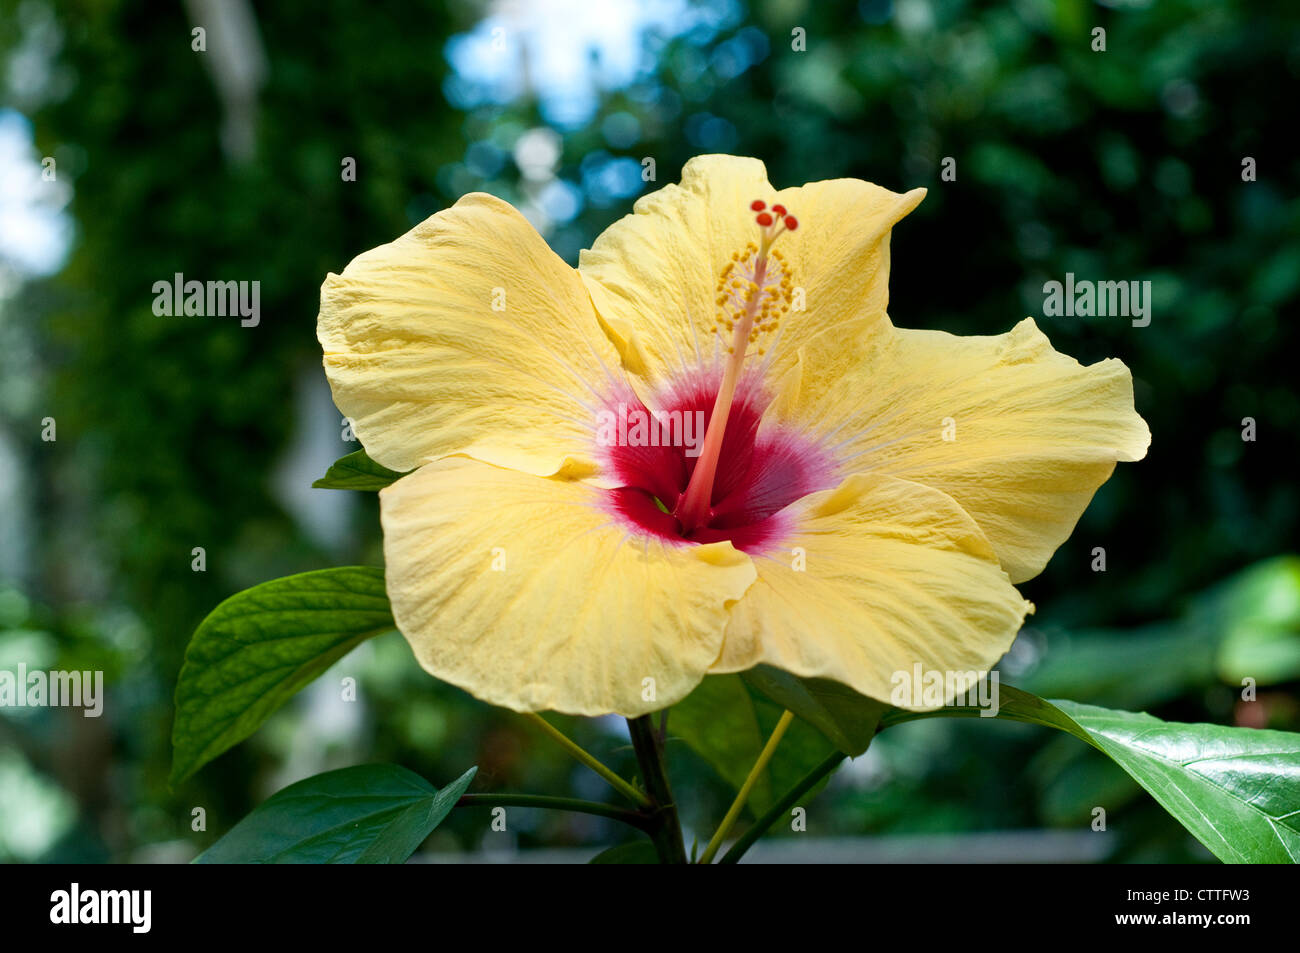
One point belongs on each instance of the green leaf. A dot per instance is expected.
(1236, 789)
(727, 724)
(356, 471)
(847, 719)
(637, 852)
(719, 723)
(801, 750)
(260, 646)
(368, 814)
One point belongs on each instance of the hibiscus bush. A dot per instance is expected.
(839, 541)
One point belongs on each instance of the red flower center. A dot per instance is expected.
(761, 469)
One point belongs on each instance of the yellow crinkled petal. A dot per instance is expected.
(653, 274)
(522, 591)
(465, 335)
(894, 574)
(1020, 435)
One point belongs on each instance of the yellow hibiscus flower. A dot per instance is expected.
(857, 499)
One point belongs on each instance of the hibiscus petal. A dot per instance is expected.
(894, 574)
(1020, 435)
(653, 274)
(523, 591)
(465, 335)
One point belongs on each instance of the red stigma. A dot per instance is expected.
(791, 223)
(758, 205)
(778, 209)
(764, 219)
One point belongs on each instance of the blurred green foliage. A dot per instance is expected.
(1123, 165)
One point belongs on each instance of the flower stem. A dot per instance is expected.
(777, 811)
(634, 818)
(581, 754)
(665, 829)
(739, 803)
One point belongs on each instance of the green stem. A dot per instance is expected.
(739, 803)
(634, 818)
(580, 753)
(665, 829)
(778, 810)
